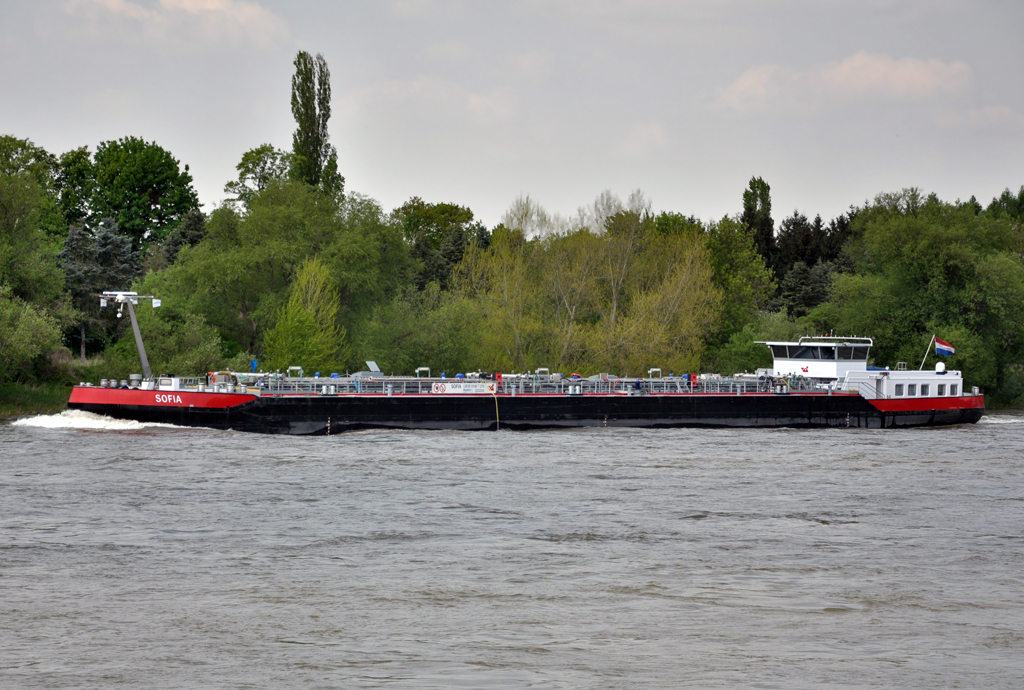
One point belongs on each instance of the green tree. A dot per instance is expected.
(315, 161)
(837, 234)
(804, 288)
(307, 332)
(799, 240)
(667, 223)
(238, 276)
(438, 235)
(140, 185)
(568, 271)
(189, 232)
(627, 299)
(34, 308)
(1008, 204)
(501, 279)
(669, 310)
(625, 236)
(27, 248)
(740, 273)
(257, 169)
(757, 216)
(427, 327)
(19, 156)
(75, 183)
(27, 335)
(744, 351)
(21, 159)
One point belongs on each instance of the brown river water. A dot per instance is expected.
(162, 557)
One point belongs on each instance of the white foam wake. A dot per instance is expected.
(80, 419)
(1002, 419)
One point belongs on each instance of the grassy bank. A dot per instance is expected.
(20, 398)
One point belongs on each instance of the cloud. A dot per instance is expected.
(872, 74)
(212, 21)
(643, 139)
(454, 51)
(429, 94)
(417, 10)
(991, 118)
(755, 88)
(862, 76)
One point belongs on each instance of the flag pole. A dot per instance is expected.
(930, 343)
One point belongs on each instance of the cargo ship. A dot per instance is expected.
(815, 382)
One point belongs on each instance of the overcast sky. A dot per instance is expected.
(478, 102)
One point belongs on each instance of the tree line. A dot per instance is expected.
(295, 270)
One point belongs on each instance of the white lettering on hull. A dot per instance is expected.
(168, 398)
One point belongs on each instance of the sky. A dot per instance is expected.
(478, 103)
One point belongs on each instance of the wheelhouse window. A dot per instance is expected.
(899, 390)
(805, 352)
(779, 352)
(952, 389)
(911, 389)
(828, 352)
(941, 389)
(860, 353)
(924, 389)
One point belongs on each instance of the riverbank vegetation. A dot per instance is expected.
(294, 269)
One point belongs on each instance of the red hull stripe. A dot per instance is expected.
(118, 396)
(966, 402)
(114, 396)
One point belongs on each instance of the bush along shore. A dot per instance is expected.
(28, 399)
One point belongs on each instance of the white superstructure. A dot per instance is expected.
(820, 358)
(885, 384)
(841, 363)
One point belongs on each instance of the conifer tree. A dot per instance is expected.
(94, 262)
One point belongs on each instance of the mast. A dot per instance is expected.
(130, 299)
(930, 343)
(146, 371)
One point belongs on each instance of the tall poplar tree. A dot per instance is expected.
(757, 215)
(315, 160)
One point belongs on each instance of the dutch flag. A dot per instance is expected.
(943, 348)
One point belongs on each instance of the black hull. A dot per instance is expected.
(324, 415)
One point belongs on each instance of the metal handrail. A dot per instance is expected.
(278, 384)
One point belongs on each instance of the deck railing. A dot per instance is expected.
(276, 384)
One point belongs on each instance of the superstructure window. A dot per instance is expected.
(952, 389)
(779, 352)
(924, 389)
(860, 353)
(828, 352)
(911, 389)
(941, 388)
(805, 352)
(899, 390)
(845, 352)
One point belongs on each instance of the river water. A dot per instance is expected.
(163, 557)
